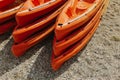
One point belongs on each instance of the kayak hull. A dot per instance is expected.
(32, 12)
(20, 48)
(60, 46)
(73, 49)
(20, 34)
(4, 3)
(5, 27)
(8, 13)
(66, 26)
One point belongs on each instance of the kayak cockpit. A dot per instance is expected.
(73, 12)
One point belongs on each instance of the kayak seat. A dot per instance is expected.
(82, 5)
(78, 9)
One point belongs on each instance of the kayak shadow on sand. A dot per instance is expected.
(8, 61)
(4, 37)
(42, 70)
(41, 66)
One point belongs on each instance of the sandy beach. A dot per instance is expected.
(99, 60)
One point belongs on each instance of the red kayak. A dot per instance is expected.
(28, 36)
(78, 45)
(32, 9)
(74, 15)
(20, 48)
(4, 3)
(8, 25)
(72, 51)
(20, 34)
(73, 37)
(8, 12)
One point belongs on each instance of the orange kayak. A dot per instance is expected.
(72, 50)
(4, 3)
(8, 12)
(20, 34)
(60, 46)
(75, 14)
(4, 27)
(19, 49)
(32, 9)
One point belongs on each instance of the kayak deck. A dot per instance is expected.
(64, 51)
(79, 15)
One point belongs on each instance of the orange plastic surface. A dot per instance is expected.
(60, 46)
(32, 9)
(19, 49)
(57, 61)
(20, 34)
(7, 26)
(4, 3)
(9, 12)
(75, 14)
